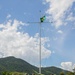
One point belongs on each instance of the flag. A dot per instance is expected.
(42, 19)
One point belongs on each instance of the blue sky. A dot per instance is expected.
(21, 39)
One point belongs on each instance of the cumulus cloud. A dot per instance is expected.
(21, 45)
(67, 66)
(57, 10)
(71, 17)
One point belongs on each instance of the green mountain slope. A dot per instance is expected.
(12, 64)
(54, 70)
(15, 64)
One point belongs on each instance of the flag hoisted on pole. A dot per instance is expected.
(41, 21)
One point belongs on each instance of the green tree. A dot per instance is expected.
(4, 73)
(62, 73)
(70, 73)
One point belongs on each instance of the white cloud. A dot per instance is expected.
(18, 44)
(67, 66)
(60, 31)
(71, 17)
(8, 16)
(57, 10)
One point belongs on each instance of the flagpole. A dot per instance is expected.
(40, 48)
(41, 21)
(40, 45)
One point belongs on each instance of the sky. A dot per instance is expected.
(19, 31)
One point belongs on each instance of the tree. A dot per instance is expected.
(70, 73)
(62, 73)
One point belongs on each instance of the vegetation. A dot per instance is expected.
(21, 73)
(15, 66)
(70, 73)
(62, 73)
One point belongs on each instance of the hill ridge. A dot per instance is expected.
(13, 64)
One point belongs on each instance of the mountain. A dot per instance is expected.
(53, 70)
(12, 64)
(15, 64)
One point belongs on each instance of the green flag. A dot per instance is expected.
(42, 19)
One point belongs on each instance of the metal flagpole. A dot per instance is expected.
(40, 48)
(40, 45)
(41, 21)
